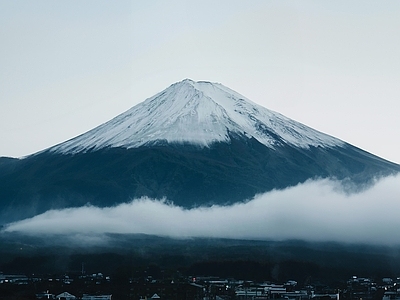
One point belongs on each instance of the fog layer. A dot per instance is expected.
(314, 211)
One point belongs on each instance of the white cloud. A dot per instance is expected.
(315, 211)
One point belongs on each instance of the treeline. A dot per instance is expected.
(127, 257)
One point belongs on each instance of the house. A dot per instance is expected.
(65, 296)
(44, 295)
(96, 297)
(14, 279)
(390, 295)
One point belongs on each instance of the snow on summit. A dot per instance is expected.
(198, 113)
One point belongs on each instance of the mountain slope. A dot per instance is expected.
(194, 144)
(199, 113)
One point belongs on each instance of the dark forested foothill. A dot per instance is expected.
(253, 260)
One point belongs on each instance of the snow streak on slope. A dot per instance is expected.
(198, 113)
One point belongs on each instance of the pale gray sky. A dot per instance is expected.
(68, 66)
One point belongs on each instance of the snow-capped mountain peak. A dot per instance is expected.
(199, 113)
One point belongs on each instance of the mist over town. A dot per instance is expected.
(368, 216)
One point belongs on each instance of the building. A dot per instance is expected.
(65, 296)
(96, 297)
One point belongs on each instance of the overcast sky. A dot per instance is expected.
(68, 66)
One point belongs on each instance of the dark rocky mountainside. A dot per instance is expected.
(187, 175)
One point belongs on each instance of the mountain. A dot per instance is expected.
(195, 143)
(196, 113)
